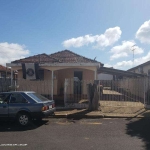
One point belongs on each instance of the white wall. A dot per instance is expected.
(103, 76)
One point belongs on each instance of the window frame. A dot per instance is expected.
(18, 102)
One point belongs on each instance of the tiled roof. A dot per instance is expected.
(40, 58)
(64, 56)
(67, 56)
(3, 69)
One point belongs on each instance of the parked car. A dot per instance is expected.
(25, 106)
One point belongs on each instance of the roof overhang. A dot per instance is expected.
(119, 72)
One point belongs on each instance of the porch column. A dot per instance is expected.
(11, 76)
(95, 74)
(52, 84)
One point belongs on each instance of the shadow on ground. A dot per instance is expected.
(140, 128)
(8, 126)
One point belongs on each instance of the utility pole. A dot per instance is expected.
(133, 49)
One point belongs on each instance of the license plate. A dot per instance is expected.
(50, 106)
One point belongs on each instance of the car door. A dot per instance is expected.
(4, 98)
(16, 103)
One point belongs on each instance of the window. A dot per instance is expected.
(37, 97)
(17, 98)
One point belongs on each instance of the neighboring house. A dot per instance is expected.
(105, 73)
(143, 68)
(4, 72)
(60, 66)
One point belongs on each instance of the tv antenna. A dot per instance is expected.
(133, 49)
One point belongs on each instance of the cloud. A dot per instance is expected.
(129, 64)
(124, 50)
(110, 36)
(143, 33)
(11, 51)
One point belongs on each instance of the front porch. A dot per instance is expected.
(52, 83)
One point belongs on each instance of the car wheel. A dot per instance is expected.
(23, 119)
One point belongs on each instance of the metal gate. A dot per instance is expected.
(121, 92)
(124, 92)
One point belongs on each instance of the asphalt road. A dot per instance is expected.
(83, 134)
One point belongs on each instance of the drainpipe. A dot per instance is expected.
(52, 84)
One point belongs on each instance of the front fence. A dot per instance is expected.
(131, 91)
(125, 92)
(75, 93)
(42, 87)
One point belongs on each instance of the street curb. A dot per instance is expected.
(78, 114)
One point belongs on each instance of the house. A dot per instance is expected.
(4, 78)
(56, 68)
(142, 68)
(4, 72)
(113, 74)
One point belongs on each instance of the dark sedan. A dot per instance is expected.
(25, 106)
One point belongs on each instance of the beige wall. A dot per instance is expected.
(42, 87)
(59, 78)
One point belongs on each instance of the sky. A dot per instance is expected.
(108, 31)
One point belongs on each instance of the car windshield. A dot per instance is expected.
(37, 97)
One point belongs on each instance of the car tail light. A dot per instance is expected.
(45, 108)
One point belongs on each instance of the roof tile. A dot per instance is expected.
(65, 56)
(40, 58)
(2, 68)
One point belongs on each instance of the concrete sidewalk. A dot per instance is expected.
(117, 112)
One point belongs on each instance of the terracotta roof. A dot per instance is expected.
(67, 56)
(64, 56)
(40, 58)
(3, 69)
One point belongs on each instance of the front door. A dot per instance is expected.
(77, 82)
